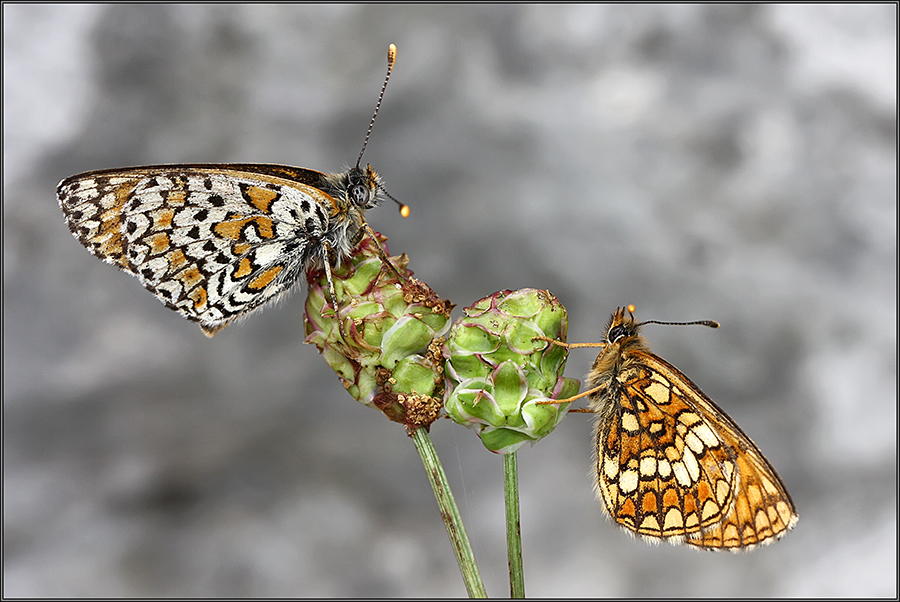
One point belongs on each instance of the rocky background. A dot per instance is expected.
(734, 162)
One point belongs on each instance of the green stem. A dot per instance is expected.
(513, 530)
(450, 513)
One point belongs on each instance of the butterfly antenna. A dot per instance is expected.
(392, 56)
(404, 209)
(710, 323)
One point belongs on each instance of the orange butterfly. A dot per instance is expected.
(671, 465)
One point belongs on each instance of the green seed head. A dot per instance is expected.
(390, 358)
(500, 372)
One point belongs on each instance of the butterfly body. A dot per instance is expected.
(217, 241)
(671, 465)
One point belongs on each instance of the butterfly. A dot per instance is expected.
(216, 242)
(671, 465)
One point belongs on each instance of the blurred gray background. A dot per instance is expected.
(735, 163)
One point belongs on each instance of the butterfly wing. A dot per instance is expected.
(673, 466)
(212, 242)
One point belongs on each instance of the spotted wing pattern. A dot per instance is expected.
(671, 465)
(213, 242)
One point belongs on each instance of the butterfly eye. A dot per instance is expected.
(359, 194)
(615, 333)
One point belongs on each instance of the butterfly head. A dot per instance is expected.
(362, 187)
(622, 336)
(622, 326)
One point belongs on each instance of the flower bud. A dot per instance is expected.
(500, 371)
(390, 358)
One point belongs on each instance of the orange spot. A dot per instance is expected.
(162, 219)
(111, 223)
(244, 269)
(159, 243)
(703, 491)
(626, 510)
(670, 498)
(754, 495)
(234, 227)
(261, 198)
(198, 296)
(648, 503)
(176, 260)
(190, 277)
(690, 504)
(176, 197)
(265, 278)
(230, 229)
(265, 227)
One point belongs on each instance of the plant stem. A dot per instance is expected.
(513, 530)
(450, 513)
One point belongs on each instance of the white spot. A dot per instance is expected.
(681, 474)
(628, 482)
(629, 422)
(269, 254)
(673, 519)
(664, 468)
(728, 469)
(610, 467)
(706, 435)
(694, 443)
(658, 392)
(689, 418)
(648, 466)
(690, 462)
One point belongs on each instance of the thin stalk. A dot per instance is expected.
(450, 513)
(513, 530)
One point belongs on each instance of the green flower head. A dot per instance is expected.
(390, 358)
(502, 374)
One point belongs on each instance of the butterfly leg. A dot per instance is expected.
(383, 253)
(583, 393)
(567, 345)
(553, 402)
(326, 261)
